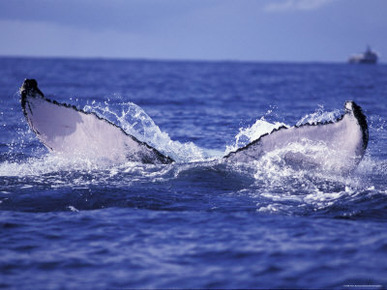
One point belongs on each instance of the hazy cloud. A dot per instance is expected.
(120, 15)
(289, 5)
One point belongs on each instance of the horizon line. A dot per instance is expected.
(154, 59)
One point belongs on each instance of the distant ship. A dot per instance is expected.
(369, 57)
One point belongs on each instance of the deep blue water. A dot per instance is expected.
(198, 223)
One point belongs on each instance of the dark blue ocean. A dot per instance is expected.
(197, 223)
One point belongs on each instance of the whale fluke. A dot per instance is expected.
(346, 140)
(67, 130)
(338, 145)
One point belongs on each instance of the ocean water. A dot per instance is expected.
(197, 223)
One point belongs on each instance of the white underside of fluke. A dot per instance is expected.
(68, 131)
(335, 146)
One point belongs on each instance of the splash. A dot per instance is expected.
(320, 116)
(134, 121)
(288, 180)
(249, 134)
(280, 188)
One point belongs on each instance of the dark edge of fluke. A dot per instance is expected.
(362, 120)
(357, 112)
(30, 87)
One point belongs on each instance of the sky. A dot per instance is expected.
(241, 30)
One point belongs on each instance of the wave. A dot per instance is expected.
(266, 187)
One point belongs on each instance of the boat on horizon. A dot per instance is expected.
(368, 57)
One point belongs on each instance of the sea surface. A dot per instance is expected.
(199, 222)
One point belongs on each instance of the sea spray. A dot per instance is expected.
(136, 122)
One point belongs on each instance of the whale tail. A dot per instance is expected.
(67, 130)
(338, 145)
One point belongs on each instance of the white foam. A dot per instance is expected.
(320, 116)
(46, 164)
(72, 208)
